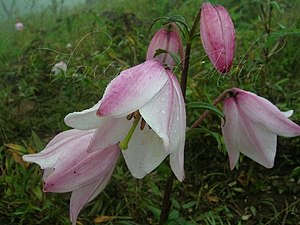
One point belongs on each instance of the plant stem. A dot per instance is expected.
(166, 202)
(185, 70)
(221, 97)
(169, 185)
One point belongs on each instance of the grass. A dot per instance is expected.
(109, 38)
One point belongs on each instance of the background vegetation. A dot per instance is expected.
(113, 35)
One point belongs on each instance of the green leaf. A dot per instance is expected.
(295, 172)
(191, 133)
(38, 193)
(205, 105)
(189, 205)
(154, 210)
(174, 56)
(37, 141)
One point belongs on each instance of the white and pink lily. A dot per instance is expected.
(60, 67)
(68, 167)
(19, 26)
(167, 39)
(218, 36)
(252, 124)
(147, 95)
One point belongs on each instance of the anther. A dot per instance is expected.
(143, 124)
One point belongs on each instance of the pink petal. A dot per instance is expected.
(260, 110)
(80, 197)
(132, 89)
(50, 155)
(252, 139)
(218, 36)
(84, 120)
(145, 152)
(167, 39)
(80, 168)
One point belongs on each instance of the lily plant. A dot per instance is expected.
(142, 116)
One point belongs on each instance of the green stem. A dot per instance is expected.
(221, 97)
(169, 185)
(124, 144)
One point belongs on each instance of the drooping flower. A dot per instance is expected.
(19, 26)
(218, 36)
(60, 67)
(149, 95)
(167, 39)
(68, 167)
(252, 124)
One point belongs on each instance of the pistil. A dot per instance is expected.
(124, 144)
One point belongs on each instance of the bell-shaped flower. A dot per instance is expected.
(167, 39)
(19, 26)
(147, 96)
(68, 167)
(218, 36)
(60, 67)
(252, 124)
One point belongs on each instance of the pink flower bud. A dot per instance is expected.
(166, 39)
(218, 36)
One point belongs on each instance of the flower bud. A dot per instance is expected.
(167, 39)
(218, 36)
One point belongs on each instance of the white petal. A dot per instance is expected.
(84, 120)
(145, 152)
(178, 130)
(288, 113)
(157, 114)
(230, 130)
(112, 131)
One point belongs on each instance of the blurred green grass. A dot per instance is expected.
(109, 37)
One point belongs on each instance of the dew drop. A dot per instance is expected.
(163, 111)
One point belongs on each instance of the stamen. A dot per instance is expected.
(124, 144)
(129, 117)
(143, 124)
(136, 114)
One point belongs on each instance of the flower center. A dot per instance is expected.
(137, 116)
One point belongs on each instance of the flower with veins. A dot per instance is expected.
(218, 36)
(252, 124)
(143, 111)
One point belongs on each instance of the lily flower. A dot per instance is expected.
(68, 167)
(19, 26)
(58, 68)
(167, 39)
(218, 36)
(147, 96)
(252, 124)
